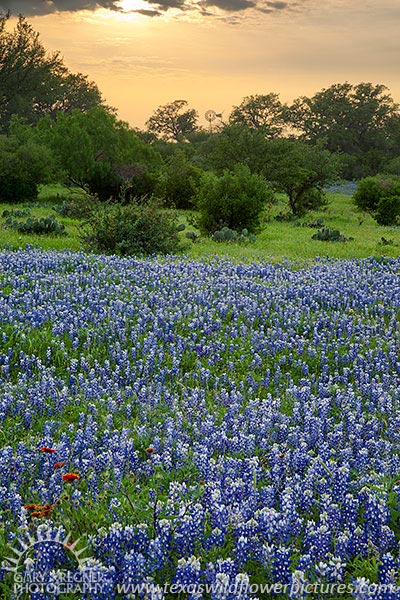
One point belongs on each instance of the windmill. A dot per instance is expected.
(210, 116)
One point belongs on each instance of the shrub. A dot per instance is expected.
(329, 235)
(316, 224)
(234, 200)
(43, 225)
(139, 181)
(393, 166)
(104, 182)
(132, 229)
(178, 182)
(380, 196)
(231, 235)
(388, 210)
(16, 213)
(23, 166)
(368, 194)
(313, 199)
(76, 206)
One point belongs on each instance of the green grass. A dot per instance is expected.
(280, 240)
(276, 241)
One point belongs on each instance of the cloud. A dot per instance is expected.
(149, 12)
(231, 5)
(155, 8)
(44, 7)
(277, 5)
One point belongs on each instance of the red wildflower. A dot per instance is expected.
(31, 506)
(60, 464)
(47, 450)
(149, 450)
(70, 477)
(37, 514)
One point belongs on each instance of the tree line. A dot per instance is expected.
(55, 126)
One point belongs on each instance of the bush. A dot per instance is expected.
(139, 181)
(76, 206)
(388, 210)
(16, 213)
(393, 166)
(104, 182)
(23, 166)
(313, 199)
(178, 182)
(234, 200)
(329, 235)
(132, 229)
(368, 194)
(231, 235)
(43, 225)
(380, 196)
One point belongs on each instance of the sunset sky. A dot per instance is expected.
(212, 53)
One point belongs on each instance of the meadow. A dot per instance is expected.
(199, 423)
(275, 242)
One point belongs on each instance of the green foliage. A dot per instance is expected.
(262, 112)
(234, 200)
(393, 166)
(140, 180)
(191, 235)
(76, 206)
(95, 150)
(388, 209)
(233, 145)
(316, 224)
(132, 229)
(178, 182)
(172, 121)
(329, 235)
(387, 242)
(379, 196)
(37, 226)
(23, 166)
(16, 213)
(300, 171)
(35, 83)
(353, 119)
(231, 235)
(368, 194)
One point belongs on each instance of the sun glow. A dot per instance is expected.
(128, 6)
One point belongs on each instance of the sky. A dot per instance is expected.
(212, 53)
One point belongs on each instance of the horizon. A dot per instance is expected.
(213, 53)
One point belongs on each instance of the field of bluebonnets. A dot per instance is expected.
(201, 422)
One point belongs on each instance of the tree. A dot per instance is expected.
(234, 144)
(172, 122)
(33, 82)
(380, 196)
(235, 200)
(262, 112)
(300, 171)
(95, 149)
(24, 164)
(178, 181)
(353, 119)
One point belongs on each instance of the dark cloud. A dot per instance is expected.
(231, 5)
(149, 13)
(271, 7)
(277, 5)
(163, 5)
(156, 7)
(44, 7)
